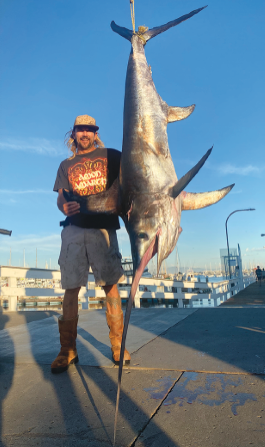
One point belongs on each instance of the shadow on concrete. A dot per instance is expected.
(219, 340)
(81, 375)
(101, 347)
(6, 371)
(80, 425)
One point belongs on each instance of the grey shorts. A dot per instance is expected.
(85, 247)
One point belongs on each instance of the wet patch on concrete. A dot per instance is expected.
(163, 385)
(208, 410)
(216, 391)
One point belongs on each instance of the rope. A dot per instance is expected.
(132, 15)
(141, 29)
(140, 33)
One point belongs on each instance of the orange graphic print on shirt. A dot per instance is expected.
(88, 176)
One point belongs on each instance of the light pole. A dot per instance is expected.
(236, 211)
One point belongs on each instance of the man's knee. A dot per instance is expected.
(111, 290)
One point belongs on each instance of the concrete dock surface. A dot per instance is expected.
(197, 378)
(254, 296)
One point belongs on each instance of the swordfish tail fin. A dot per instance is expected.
(147, 35)
(106, 202)
(196, 201)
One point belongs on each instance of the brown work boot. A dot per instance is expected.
(115, 323)
(68, 352)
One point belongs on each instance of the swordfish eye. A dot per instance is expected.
(142, 235)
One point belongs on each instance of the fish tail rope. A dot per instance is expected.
(141, 29)
(132, 15)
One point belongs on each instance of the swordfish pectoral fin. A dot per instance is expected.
(160, 29)
(179, 113)
(195, 201)
(185, 180)
(106, 202)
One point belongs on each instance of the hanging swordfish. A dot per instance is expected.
(147, 195)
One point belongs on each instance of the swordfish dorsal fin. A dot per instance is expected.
(127, 34)
(196, 201)
(179, 113)
(185, 180)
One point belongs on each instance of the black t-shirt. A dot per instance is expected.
(87, 174)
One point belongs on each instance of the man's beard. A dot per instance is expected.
(85, 144)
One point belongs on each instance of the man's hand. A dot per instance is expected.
(71, 208)
(67, 208)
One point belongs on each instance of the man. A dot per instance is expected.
(258, 274)
(87, 240)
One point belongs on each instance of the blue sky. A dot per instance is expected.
(60, 59)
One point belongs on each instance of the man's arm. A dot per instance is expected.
(67, 208)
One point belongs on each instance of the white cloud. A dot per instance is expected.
(239, 170)
(26, 191)
(40, 146)
(227, 168)
(255, 249)
(31, 242)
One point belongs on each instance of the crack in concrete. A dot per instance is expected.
(156, 411)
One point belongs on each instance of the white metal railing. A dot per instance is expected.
(44, 286)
